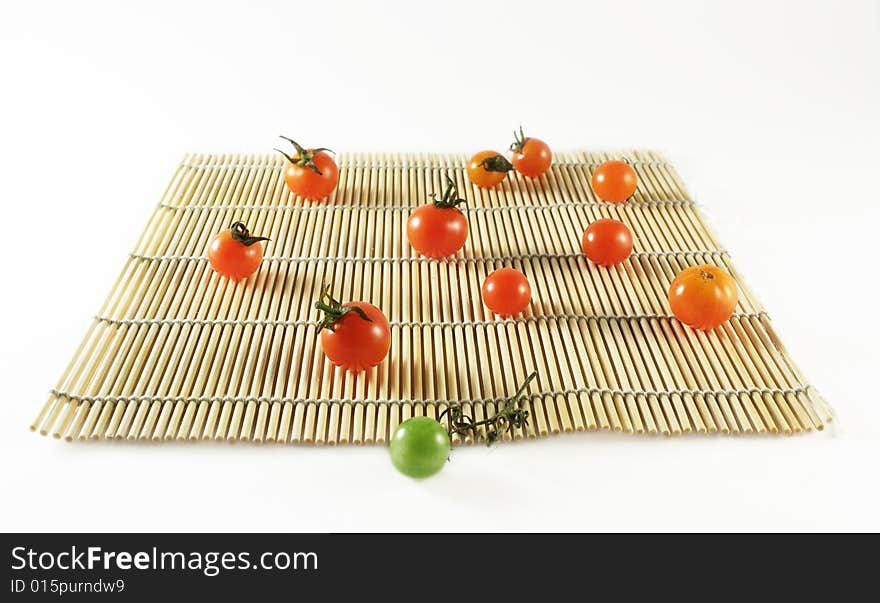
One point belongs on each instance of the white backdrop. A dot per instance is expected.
(767, 109)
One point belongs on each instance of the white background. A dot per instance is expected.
(769, 110)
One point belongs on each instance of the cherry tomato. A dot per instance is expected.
(607, 242)
(234, 253)
(488, 168)
(310, 173)
(354, 335)
(703, 297)
(438, 229)
(531, 157)
(507, 292)
(419, 447)
(615, 181)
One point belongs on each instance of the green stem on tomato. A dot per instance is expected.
(241, 234)
(334, 310)
(507, 417)
(303, 157)
(519, 140)
(450, 196)
(496, 163)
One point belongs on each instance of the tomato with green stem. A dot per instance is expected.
(531, 156)
(310, 173)
(614, 181)
(354, 335)
(506, 292)
(607, 242)
(419, 447)
(703, 297)
(235, 253)
(488, 168)
(438, 229)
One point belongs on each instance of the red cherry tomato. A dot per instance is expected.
(310, 173)
(607, 242)
(488, 168)
(354, 335)
(507, 292)
(531, 157)
(438, 229)
(614, 181)
(234, 253)
(703, 297)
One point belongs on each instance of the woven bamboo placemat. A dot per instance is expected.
(177, 352)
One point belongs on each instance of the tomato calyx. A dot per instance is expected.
(519, 140)
(450, 198)
(334, 310)
(510, 415)
(303, 157)
(496, 163)
(241, 234)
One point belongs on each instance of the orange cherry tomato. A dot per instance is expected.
(615, 181)
(488, 168)
(354, 335)
(507, 292)
(438, 229)
(531, 157)
(607, 242)
(234, 253)
(310, 173)
(703, 297)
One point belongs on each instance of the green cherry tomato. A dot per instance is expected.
(419, 447)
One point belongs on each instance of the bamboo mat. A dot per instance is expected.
(178, 353)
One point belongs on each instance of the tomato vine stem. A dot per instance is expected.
(303, 157)
(241, 234)
(450, 196)
(519, 140)
(334, 310)
(496, 163)
(510, 415)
